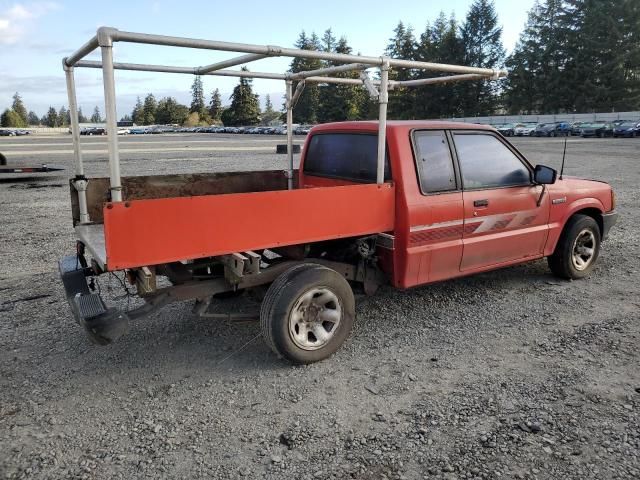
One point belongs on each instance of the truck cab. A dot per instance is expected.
(466, 200)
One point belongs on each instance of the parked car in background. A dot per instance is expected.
(123, 131)
(7, 133)
(576, 128)
(552, 129)
(93, 131)
(627, 129)
(507, 129)
(597, 129)
(524, 129)
(139, 131)
(616, 123)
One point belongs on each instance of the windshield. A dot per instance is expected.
(628, 124)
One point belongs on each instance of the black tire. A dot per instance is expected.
(552, 134)
(286, 292)
(3, 159)
(601, 134)
(562, 262)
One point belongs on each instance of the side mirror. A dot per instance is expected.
(544, 175)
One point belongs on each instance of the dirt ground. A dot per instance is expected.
(509, 374)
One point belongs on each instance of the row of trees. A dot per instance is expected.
(576, 55)
(244, 108)
(476, 41)
(17, 116)
(572, 56)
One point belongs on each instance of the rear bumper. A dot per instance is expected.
(103, 325)
(609, 219)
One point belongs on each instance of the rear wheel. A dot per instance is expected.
(307, 313)
(578, 248)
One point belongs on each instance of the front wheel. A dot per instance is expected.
(307, 313)
(578, 248)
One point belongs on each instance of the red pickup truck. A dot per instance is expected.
(457, 199)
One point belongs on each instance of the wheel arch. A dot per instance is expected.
(592, 212)
(586, 206)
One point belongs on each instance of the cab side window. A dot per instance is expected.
(434, 162)
(485, 162)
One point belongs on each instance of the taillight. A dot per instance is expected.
(613, 200)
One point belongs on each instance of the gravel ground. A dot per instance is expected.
(509, 374)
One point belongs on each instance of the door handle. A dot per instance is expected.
(481, 203)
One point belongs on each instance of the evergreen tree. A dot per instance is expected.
(577, 55)
(306, 110)
(522, 92)
(269, 115)
(10, 118)
(440, 43)
(81, 117)
(169, 111)
(138, 112)
(481, 38)
(215, 106)
(126, 118)
(630, 55)
(245, 108)
(226, 117)
(96, 117)
(51, 117)
(328, 41)
(337, 101)
(32, 118)
(197, 97)
(604, 66)
(149, 110)
(63, 117)
(401, 45)
(19, 108)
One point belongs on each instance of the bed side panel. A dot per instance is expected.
(150, 232)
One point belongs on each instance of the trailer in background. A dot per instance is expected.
(44, 168)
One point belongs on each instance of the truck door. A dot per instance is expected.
(435, 234)
(502, 222)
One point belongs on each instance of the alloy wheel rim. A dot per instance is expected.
(315, 318)
(584, 248)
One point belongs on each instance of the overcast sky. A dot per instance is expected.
(35, 36)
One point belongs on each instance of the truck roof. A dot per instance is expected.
(372, 125)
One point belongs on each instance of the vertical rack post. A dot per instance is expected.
(106, 46)
(290, 133)
(79, 181)
(383, 100)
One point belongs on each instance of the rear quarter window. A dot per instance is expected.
(349, 156)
